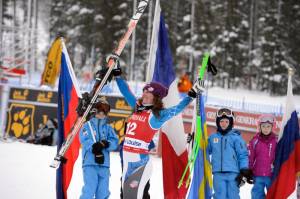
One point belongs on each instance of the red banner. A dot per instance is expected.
(244, 121)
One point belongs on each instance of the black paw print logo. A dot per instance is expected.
(20, 125)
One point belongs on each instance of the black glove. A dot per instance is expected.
(244, 176)
(97, 151)
(100, 75)
(117, 71)
(99, 158)
(198, 87)
(248, 174)
(190, 137)
(211, 68)
(83, 103)
(97, 148)
(114, 73)
(240, 179)
(104, 143)
(63, 160)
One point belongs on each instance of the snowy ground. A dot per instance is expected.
(25, 173)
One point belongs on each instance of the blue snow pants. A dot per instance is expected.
(225, 186)
(96, 182)
(260, 183)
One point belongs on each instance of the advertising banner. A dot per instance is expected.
(28, 109)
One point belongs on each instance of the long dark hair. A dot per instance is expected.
(157, 105)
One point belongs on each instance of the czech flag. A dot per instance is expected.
(68, 93)
(160, 69)
(287, 157)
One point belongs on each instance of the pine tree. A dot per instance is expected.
(6, 15)
(289, 31)
(251, 41)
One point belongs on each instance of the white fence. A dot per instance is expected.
(245, 106)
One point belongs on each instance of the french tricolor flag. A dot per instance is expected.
(68, 93)
(160, 69)
(287, 158)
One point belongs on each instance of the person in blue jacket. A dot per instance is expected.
(97, 139)
(229, 157)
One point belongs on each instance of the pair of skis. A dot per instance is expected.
(99, 85)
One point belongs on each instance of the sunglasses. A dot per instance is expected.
(225, 111)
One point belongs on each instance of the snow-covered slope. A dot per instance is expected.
(25, 173)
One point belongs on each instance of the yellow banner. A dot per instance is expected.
(52, 66)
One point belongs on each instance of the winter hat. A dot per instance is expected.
(156, 89)
(101, 105)
(221, 114)
(266, 118)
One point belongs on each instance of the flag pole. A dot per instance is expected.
(151, 61)
(291, 71)
(132, 53)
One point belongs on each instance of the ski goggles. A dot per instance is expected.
(267, 119)
(225, 112)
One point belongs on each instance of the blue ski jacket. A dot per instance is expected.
(103, 131)
(228, 152)
(165, 114)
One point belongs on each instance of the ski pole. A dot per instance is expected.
(196, 146)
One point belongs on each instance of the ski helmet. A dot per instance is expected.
(101, 105)
(267, 118)
(156, 89)
(224, 113)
